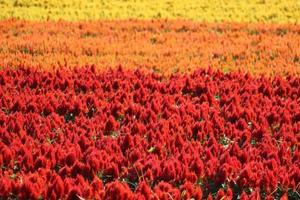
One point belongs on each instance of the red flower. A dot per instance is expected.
(75, 193)
(144, 189)
(5, 187)
(7, 155)
(70, 159)
(118, 191)
(111, 125)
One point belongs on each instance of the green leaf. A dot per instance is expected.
(113, 134)
(225, 141)
(151, 150)
(217, 97)
(13, 176)
(253, 142)
(50, 141)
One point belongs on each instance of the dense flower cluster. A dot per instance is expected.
(164, 46)
(200, 10)
(132, 135)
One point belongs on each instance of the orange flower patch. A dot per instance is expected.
(164, 46)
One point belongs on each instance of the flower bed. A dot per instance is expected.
(132, 135)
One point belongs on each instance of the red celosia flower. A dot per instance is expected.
(117, 190)
(163, 138)
(70, 159)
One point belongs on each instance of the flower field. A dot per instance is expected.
(106, 135)
(200, 10)
(149, 100)
(162, 46)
